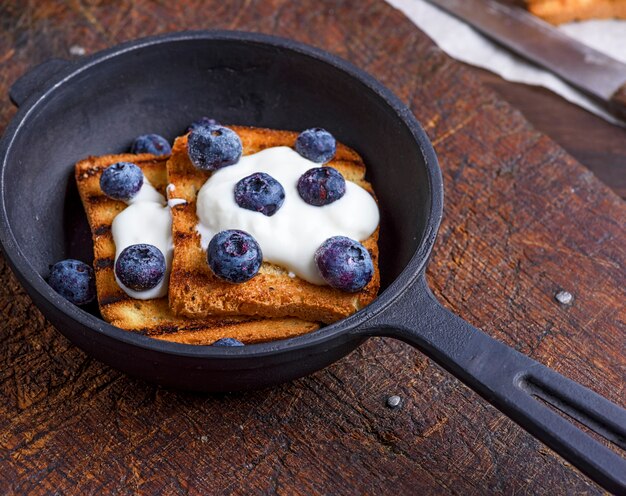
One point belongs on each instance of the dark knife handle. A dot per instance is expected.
(618, 102)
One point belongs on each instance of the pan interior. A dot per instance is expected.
(161, 89)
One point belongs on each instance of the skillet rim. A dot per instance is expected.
(37, 287)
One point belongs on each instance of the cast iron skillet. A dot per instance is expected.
(96, 106)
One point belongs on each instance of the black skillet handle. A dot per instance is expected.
(514, 383)
(35, 80)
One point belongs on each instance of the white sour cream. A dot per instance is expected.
(172, 202)
(291, 236)
(146, 219)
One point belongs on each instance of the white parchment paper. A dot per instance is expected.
(463, 43)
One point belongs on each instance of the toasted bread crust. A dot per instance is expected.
(196, 292)
(154, 317)
(561, 11)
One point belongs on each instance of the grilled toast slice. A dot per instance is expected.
(561, 11)
(196, 292)
(154, 317)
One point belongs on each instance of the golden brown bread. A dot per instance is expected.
(154, 317)
(560, 11)
(196, 292)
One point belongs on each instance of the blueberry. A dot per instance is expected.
(321, 186)
(228, 342)
(317, 145)
(213, 147)
(121, 181)
(260, 192)
(74, 280)
(344, 264)
(202, 122)
(151, 143)
(234, 256)
(140, 267)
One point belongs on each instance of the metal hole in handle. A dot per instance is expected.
(552, 398)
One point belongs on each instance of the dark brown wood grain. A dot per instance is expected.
(522, 221)
(597, 144)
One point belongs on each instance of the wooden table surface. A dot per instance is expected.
(594, 142)
(523, 220)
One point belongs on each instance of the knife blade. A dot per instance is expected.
(591, 71)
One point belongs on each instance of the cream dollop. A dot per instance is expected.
(291, 236)
(146, 219)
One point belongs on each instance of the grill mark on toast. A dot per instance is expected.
(196, 326)
(110, 300)
(186, 206)
(85, 174)
(101, 230)
(193, 326)
(158, 330)
(98, 199)
(103, 263)
(182, 236)
(163, 329)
